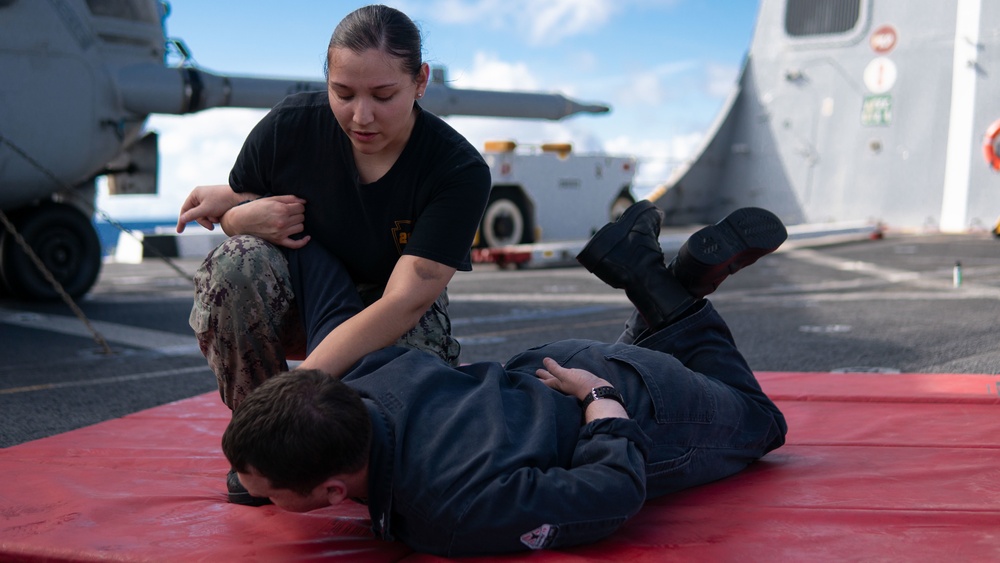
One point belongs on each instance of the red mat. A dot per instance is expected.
(877, 468)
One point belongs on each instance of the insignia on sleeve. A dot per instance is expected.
(541, 537)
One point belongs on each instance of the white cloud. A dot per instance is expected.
(555, 20)
(491, 73)
(644, 89)
(464, 12)
(537, 22)
(647, 88)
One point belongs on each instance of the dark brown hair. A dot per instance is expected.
(379, 27)
(298, 429)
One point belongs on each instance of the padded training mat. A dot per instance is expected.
(877, 467)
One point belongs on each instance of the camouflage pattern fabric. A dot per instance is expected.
(248, 326)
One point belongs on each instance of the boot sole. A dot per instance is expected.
(737, 241)
(610, 235)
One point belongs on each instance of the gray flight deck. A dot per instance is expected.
(863, 305)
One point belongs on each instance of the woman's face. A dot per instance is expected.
(372, 98)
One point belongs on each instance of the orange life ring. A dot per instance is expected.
(989, 145)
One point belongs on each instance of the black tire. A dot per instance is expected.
(67, 244)
(506, 221)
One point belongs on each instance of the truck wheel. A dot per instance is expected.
(504, 223)
(619, 206)
(67, 245)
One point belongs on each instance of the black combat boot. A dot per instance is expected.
(626, 255)
(238, 493)
(717, 251)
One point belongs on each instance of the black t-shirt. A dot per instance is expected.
(428, 204)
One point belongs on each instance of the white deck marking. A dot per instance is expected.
(164, 342)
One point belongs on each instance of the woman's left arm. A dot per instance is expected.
(413, 287)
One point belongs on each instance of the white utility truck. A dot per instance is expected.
(545, 194)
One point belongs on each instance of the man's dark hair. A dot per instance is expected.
(382, 28)
(298, 429)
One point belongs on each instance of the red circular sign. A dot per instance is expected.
(883, 39)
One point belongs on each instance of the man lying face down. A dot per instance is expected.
(557, 447)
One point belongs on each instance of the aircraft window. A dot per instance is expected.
(133, 10)
(820, 17)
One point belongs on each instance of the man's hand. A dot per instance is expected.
(207, 205)
(275, 219)
(569, 381)
(578, 383)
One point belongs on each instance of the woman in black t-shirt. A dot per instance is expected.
(359, 178)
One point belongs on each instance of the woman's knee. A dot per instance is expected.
(244, 271)
(241, 263)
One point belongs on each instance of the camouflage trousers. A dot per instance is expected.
(248, 323)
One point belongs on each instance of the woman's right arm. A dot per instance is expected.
(207, 204)
(275, 219)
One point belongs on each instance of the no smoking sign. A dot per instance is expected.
(883, 39)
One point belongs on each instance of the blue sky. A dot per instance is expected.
(664, 66)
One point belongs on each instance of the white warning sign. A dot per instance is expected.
(880, 75)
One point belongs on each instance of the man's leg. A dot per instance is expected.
(703, 343)
(717, 251)
(626, 254)
(327, 296)
(700, 404)
(325, 293)
(672, 315)
(244, 315)
(711, 416)
(635, 328)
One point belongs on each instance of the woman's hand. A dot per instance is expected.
(275, 219)
(207, 205)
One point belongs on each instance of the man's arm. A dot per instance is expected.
(535, 508)
(547, 508)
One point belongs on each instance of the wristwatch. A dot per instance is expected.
(606, 392)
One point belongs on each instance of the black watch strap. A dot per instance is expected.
(606, 392)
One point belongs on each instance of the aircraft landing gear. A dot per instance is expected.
(64, 240)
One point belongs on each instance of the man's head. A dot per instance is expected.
(296, 431)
